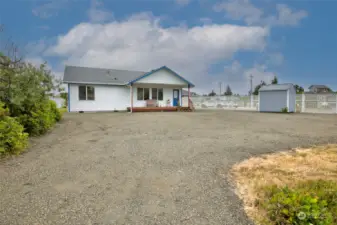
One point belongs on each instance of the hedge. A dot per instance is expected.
(13, 139)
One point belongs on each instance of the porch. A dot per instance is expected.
(160, 109)
(158, 98)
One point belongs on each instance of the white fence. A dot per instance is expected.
(309, 103)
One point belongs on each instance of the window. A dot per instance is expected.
(140, 93)
(90, 93)
(160, 94)
(86, 93)
(146, 93)
(143, 93)
(154, 93)
(82, 92)
(157, 94)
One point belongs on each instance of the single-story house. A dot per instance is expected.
(97, 89)
(276, 97)
(319, 89)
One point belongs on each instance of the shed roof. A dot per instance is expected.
(76, 74)
(276, 87)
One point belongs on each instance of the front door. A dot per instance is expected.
(175, 97)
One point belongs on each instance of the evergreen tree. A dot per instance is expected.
(228, 91)
(257, 88)
(275, 80)
(212, 93)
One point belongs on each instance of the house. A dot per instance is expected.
(276, 97)
(319, 89)
(97, 89)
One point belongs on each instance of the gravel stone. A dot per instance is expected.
(146, 168)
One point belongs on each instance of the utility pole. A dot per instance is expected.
(220, 87)
(251, 91)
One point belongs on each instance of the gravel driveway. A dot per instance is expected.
(146, 168)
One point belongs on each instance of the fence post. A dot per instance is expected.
(251, 100)
(303, 103)
(336, 102)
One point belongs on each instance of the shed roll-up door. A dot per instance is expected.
(273, 101)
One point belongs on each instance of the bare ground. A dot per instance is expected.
(146, 168)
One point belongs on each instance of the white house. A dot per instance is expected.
(275, 97)
(97, 89)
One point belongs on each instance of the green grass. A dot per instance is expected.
(311, 202)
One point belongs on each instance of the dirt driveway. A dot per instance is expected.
(151, 168)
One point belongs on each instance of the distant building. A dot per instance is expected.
(318, 89)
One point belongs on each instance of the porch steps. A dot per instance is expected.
(160, 109)
(184, 109)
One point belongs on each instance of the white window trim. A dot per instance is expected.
(150, 93)
(158, 94)
(86, 93)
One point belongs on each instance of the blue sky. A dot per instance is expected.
(205, 41)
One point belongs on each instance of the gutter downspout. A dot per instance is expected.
(131, 96)
(68, 97)
(188, 96)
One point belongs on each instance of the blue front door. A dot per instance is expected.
(175, 97)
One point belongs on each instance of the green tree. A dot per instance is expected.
(228, 91)
(24, 86)
(212, 93)
(274, 80)
(64, 96)
(299, 89)
(257, 88)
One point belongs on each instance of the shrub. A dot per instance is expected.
(284, 110)
(12, 136)
(41, 118)
(55, 111)
(313, 202)
(3, 111)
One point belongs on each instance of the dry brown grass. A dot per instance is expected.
(281, 169)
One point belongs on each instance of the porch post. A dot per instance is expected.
(131, 96)
(188, 96)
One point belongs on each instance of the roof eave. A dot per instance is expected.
(98, 83)
(163, 67)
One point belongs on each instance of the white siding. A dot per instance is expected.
(167, 94)
(292, 100)
(107, 98)
(272, 101)
(162, 77)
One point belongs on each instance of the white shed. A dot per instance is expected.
(275, 97)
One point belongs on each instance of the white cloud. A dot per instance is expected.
(96, 12)
(287, 16)
(240, 10)
(35, 61)
(183, 2)
(244, 10)
(140, 43)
